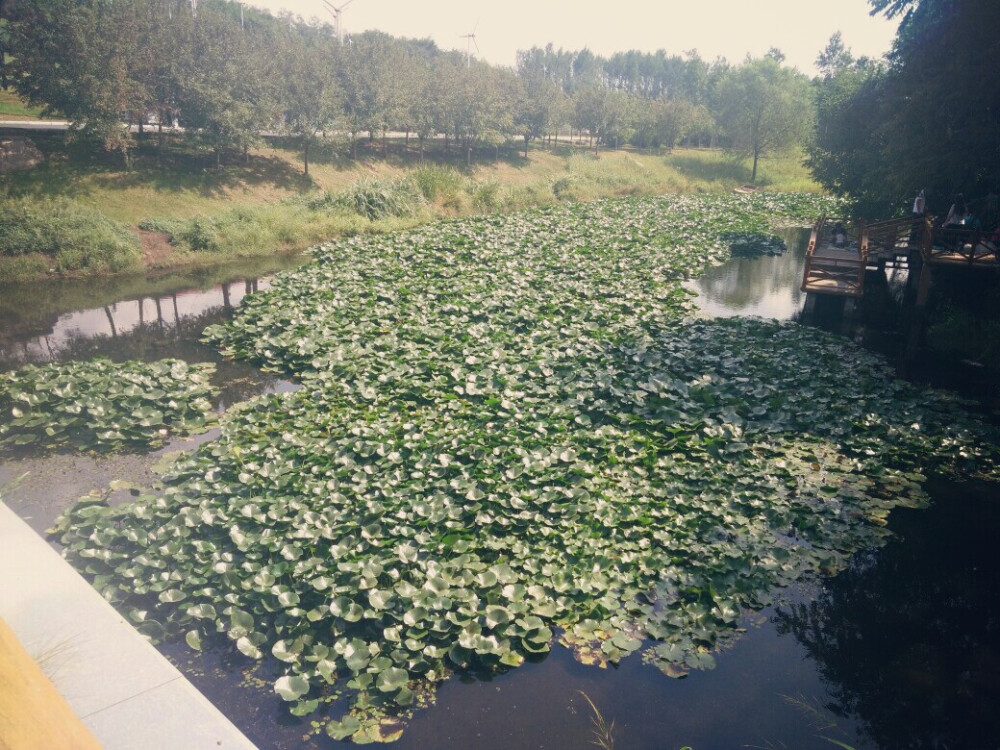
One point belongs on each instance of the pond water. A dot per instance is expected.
(901, 650)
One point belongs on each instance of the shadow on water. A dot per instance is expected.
(930, 347)
(908, 637)
(139, 318)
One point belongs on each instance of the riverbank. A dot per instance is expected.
(79, 214)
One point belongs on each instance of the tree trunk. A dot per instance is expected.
(753, 177)
(468, 153)
(525, 147)
(159, 140)
(385, 145)
(305, 157)
(420, 139)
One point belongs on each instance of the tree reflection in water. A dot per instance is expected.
(908, 637)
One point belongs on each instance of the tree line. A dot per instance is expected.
(228, 73)
(876, 130)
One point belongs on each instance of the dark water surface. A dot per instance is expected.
(901, 650)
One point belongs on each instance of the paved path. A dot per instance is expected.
(121, 687)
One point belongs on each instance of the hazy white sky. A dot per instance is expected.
(731, 28)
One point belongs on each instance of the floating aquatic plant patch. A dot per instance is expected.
(754, 245)
(104, 405)
(508, 434)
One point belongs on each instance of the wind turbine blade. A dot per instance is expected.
(477, 44)
(477, 25)
(346, 4)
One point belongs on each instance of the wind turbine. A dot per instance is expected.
(468, 47)
(337, 13)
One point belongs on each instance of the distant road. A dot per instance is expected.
(33, 125)
(55, 126)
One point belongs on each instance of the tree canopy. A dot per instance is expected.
(929, 119)
(764, 107)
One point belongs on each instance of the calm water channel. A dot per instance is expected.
(901, 650)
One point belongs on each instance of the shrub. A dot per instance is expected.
(380, 198)
(437, 182)
(74, 236)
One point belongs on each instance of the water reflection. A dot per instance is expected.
(48, 322)
(767, 286)
(118, 328)
(908, 638)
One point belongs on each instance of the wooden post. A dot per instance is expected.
(810, 306)
(923, 285)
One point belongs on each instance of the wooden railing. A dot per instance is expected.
(896, 236)
(958, 246)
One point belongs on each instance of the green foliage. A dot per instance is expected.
(438, 183)
(104, 405)
(928, 121)
(74, 237)
(765, 108)
(508, 430)
(380, 198)
(752, 245)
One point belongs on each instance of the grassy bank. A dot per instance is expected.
(12, 107)
(89, 216)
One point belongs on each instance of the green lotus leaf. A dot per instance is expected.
(304, 708)
(203, 611)
(285, 651)
(291, 687)
(392, 679)
(341, 730)
(247, 648)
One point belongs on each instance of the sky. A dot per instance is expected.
(728, 28)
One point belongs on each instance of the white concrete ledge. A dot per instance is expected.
(119, 685)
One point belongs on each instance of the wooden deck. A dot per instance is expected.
(841, 270)
(969, 247)
(831, 269)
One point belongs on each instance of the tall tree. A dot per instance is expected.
(227, 89)
(83, 60)
(764, 107)
(536, 105)
(937, 104)
(849, 136)
(835, 57)
(310, 94)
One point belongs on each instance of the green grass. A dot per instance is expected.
(12, 107)
(69, 236)
(265, 204)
